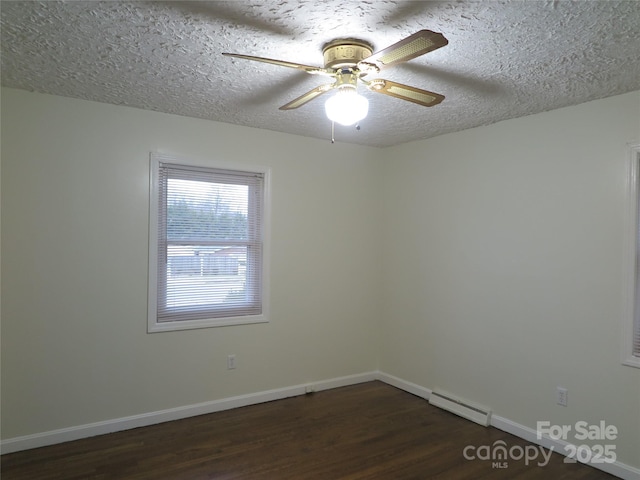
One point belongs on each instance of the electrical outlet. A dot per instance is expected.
(562, 396)
(231, 362)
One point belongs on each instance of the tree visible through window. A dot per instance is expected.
(209, 255)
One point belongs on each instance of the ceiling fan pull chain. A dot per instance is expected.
(333, 130)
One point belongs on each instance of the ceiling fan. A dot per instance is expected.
(348, 61)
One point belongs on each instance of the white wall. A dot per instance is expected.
(74, 266)
(486, 262)
(504, 266)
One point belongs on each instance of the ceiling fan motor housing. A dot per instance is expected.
(345, 53)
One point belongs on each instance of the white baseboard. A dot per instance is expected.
(109, 426)
(409, 387)
(342, 381)
(618, 469)
(26, 442)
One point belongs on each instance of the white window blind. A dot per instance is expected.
(636, 333)
(635, 159)
(631, 326)
(209, 258)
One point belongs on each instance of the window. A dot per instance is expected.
(631, 327)
(207, 249)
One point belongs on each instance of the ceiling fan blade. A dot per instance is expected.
(413, 46)
(405, 92)
(307, 97)
(282, 63)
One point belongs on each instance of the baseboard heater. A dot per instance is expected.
(470, 411)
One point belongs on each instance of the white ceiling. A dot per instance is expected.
(504, 59)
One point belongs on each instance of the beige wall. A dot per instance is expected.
(75, 350)
(486, 262)
(504, 270)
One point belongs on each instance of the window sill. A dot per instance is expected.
(156, 327)
(632, 361)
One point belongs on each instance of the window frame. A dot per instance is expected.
(153, 323)
(631, 318)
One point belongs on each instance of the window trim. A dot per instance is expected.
(153, 325)
(631, 313)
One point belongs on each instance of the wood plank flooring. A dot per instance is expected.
(367, 431)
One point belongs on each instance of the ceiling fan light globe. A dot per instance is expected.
(346, 107)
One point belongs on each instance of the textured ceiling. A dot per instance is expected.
(504, 59)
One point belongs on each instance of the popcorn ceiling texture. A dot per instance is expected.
(505, 59)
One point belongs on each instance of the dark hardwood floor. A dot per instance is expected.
(366, 431)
